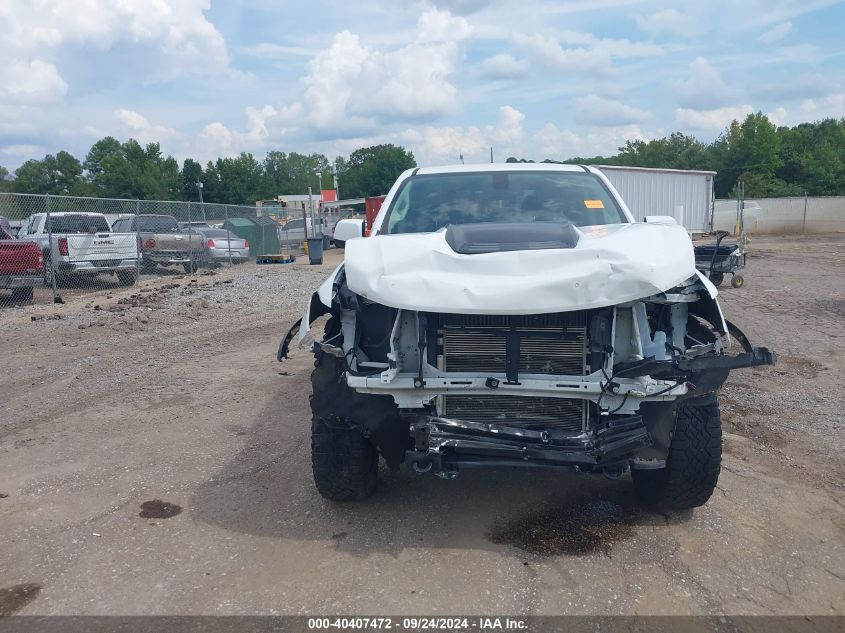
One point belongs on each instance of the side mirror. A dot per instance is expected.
(349, 229)
(661, 219)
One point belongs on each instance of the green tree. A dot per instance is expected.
(293, 173)
(128, 170)
(99, 151)
(191, 175)
(32, 177)
(371, 171)
(754, 152)
(59, 175)
(238, 180)
(6, 180)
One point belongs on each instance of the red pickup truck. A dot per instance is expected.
(21, 264)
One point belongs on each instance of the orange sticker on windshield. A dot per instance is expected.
(594, 204)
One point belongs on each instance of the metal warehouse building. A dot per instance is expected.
(685, 195)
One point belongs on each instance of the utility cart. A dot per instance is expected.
(717, 260)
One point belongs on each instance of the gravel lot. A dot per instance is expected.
(154, 460)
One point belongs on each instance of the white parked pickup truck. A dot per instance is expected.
(82, 244)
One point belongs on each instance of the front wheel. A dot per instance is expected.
(717, 278)
(343, 461)
(693, 463)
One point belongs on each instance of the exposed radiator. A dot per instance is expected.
(532, 413)
(541, 351)
(547, 343)
(515, 346)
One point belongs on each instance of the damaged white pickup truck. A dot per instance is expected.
(516, 316)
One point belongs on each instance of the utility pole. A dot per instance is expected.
(311, 211)
(320, 194)
(491, 153)
(202, 204)
(804, 221)
(334, 179)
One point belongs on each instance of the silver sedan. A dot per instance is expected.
(223, 246)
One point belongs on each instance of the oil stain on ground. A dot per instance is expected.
(574, 529)
(158, 509)
(15, 598)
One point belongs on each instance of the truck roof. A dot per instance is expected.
(65, 213)
(487, 167)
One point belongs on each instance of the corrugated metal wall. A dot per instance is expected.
(686, 196)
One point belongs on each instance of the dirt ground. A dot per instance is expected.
(154, 459)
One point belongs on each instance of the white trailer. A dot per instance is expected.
(684, 194)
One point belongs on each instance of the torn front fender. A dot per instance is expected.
(319, 304)
(299, 330)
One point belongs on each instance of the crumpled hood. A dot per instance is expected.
(608, 266)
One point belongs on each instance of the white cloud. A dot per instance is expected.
(140, 128)
(349, 84)
(508, 129)
(778, 116)
(436, 27)
(548, 51)
(27, 82)
(218, 138)
(176, 29)
(800, 86)
(667, 21)
(619, 48)
(332, 77)
(503, 66)
(778, 31)
(704, 87)
(433, 144)
(582, 52)
(594, 110)
(25, 151)
(711, 120)
(832, 106)
(560, 144)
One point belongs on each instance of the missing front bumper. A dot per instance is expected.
(445, 446)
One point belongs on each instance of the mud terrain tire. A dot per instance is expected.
(692, 468)
(344, 462)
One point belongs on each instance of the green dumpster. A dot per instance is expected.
(268, 235)
(261, 233)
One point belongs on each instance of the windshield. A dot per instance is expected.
(430, 202)
(79, 224)
(158, 224)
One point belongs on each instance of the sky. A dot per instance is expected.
(531, 78)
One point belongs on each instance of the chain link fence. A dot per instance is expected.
(53, 246)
